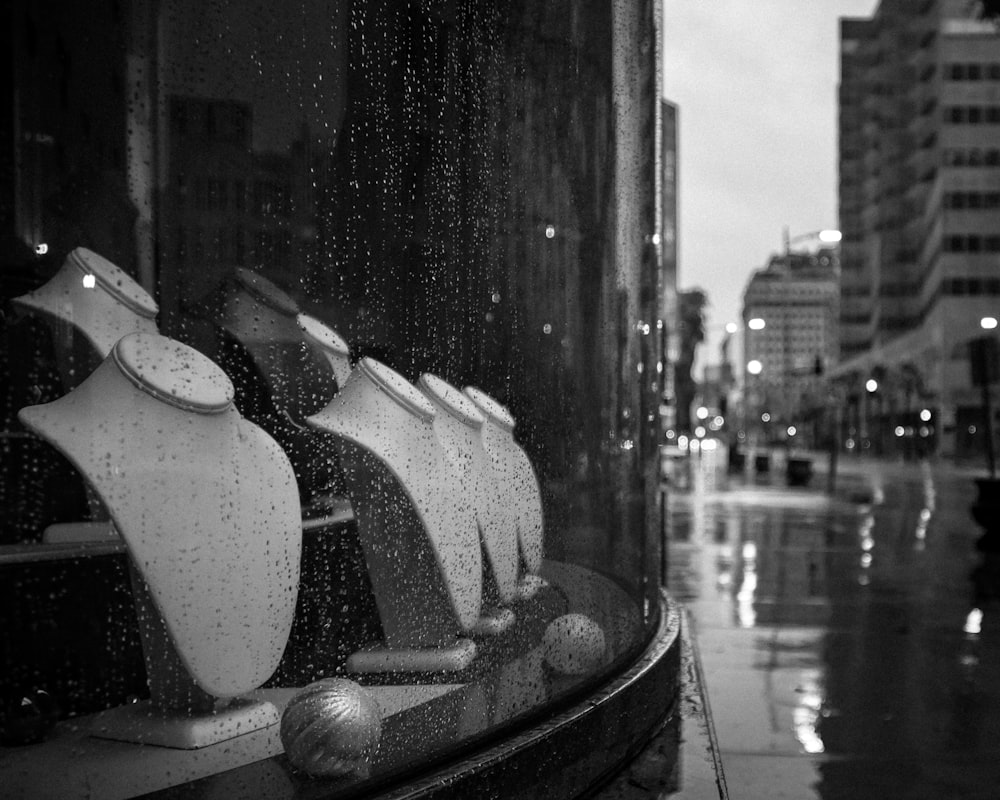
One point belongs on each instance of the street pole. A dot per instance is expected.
(985, 363)
(988, 411)
(834, 418)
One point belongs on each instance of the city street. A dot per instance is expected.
(843, 652)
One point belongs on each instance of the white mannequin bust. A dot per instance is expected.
(97, 298)
(515, 476)
(458, 426)
(263, 319)
(280, 376)
(207, 505)
(258, 311)
(329, 343)
(418, 532)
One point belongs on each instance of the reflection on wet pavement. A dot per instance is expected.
(845, 651)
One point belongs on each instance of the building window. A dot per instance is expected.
(972, 115)
(971, 200)
(971, 157)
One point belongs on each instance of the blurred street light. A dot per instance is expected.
(827, 236)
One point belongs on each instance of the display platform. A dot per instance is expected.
(584, 733)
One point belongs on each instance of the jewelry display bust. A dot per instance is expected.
(458, 425)
(418, 532)
(207, 506)
(518, 484)
(329, 343)
(279, 375)
(263, 319)
(89, 304)
(97, 298)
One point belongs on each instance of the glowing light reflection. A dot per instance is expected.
(974, 622)
(745, 612)
(805, 717)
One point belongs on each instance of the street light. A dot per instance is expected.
(985, 364)
(874, 414)
(827, 236)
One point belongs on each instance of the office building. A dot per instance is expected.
(789, 340)
(919, 211)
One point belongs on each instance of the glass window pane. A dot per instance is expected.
(335, 349)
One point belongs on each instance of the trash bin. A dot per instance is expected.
(798, 471)
(737, 460)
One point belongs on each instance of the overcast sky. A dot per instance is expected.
(756, 85)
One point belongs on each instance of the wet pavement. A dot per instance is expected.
(845, 651)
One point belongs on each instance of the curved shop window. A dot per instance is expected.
(330, 354)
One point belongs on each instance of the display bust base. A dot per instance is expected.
(529, 586)
(379, 659)
(494, 623)
(74, 532)
(143, 724)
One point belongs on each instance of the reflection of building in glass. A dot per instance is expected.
(670, 330)
(69, 146)
(229, 206)
(793, 302)
(209, 182)
(918, 206)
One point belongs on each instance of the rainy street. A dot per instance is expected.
(845, 649)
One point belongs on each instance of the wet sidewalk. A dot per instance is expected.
(845, 654)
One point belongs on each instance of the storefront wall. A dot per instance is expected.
(243, 245)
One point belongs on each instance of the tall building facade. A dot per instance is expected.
(668, 327)
(919, 210)
(790, 338)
